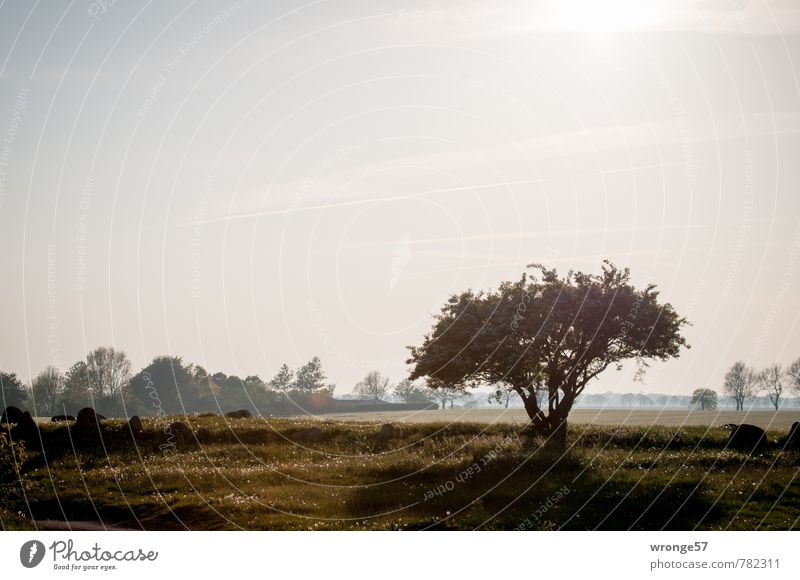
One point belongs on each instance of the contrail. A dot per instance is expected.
(357, 202)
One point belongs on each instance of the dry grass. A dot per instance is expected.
(254, 475)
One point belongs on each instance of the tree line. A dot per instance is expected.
(105, 381)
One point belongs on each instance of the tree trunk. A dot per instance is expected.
(557, 436)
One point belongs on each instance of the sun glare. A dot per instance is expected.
(592, 16)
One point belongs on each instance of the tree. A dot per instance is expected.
(373, 386)
(793, 376)
(706, 398)
(284, 380)
(12, 390)
(166, 386)
(46, 391)
(628, 400)
(409, 392)
(447, 395)
(503, 395)
(560, 332)
(741, 383)
(108, 371)
(771, 380)
(75, 394)
(311, 377)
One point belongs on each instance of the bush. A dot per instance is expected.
(12, 456)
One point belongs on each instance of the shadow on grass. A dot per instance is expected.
(542, 491)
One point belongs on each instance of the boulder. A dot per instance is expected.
(11, 414)
(87, 419)
(203, 435)
(135, 426)
(388, 431)
(61, 418)
(181, 432)
(240, 414)
(746, 437)
(27, 430)
(793, 439)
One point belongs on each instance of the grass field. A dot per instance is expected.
(256, 474)
(672, 417)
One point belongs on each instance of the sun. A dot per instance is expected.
(593, 17)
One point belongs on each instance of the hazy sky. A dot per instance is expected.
(255, 183)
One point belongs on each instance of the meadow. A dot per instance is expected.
(780, 420)
(258, 474)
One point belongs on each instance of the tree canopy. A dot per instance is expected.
(546, 331)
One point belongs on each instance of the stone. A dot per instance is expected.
(135, 426)
(87, 419)
(11, 414)
(240, 414)
(203, 435)
(181, 432)
(27, 430)
(746, 437)
(388, 431)
(793, 439)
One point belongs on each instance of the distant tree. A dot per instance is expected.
(560, 331)
(504, 395)
(741, 383)
(254, 383)
(628, 400)
(410, 392)
(596, 400)
(12, 390)
(206, 388)
(166, 386)
(311, 377)
(75, 393)
(793, 376)
(46, 392)
(448, 395)
(283, 380)
(374, 386)
(662, 400)
(643, 400)
(108, 370)
(772, 380)
(705, 398)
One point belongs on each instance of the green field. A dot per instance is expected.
(671, 417)
(257, 474)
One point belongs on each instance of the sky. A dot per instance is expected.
(249, 184)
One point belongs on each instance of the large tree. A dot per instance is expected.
(547, 331)
(373, 386)
(772, 380)
(46, 391)
(741, 383)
